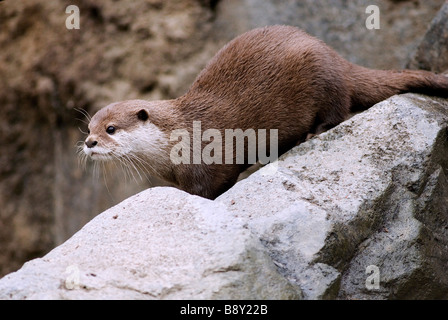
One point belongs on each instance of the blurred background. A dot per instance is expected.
(146, 49)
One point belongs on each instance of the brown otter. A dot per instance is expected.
(277, 77)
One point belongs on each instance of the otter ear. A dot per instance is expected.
(142, 115)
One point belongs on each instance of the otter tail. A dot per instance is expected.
(372, 86)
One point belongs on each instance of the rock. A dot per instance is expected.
(358, 212)
(339, 23)
(372, 191)
(432, 53)
(159, 244)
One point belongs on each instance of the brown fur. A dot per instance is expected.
(275, 77)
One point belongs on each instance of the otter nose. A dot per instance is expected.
(90, 143)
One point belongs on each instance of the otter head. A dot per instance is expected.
(123, 131)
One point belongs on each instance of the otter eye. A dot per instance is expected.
(88, 131)
(110, 129)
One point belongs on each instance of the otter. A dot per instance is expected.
(276, 77)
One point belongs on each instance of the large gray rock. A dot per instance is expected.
(372, 191)
(159, 244)
(370, 195)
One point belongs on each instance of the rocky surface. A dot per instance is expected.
(432, 52)
(340, 23)
(371, 192)
(359, 195)
(160, 244)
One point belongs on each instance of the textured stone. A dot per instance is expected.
(159, 244)
(432, 52)
(361, 194)
(339, 23)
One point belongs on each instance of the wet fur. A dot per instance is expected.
(275, 77)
